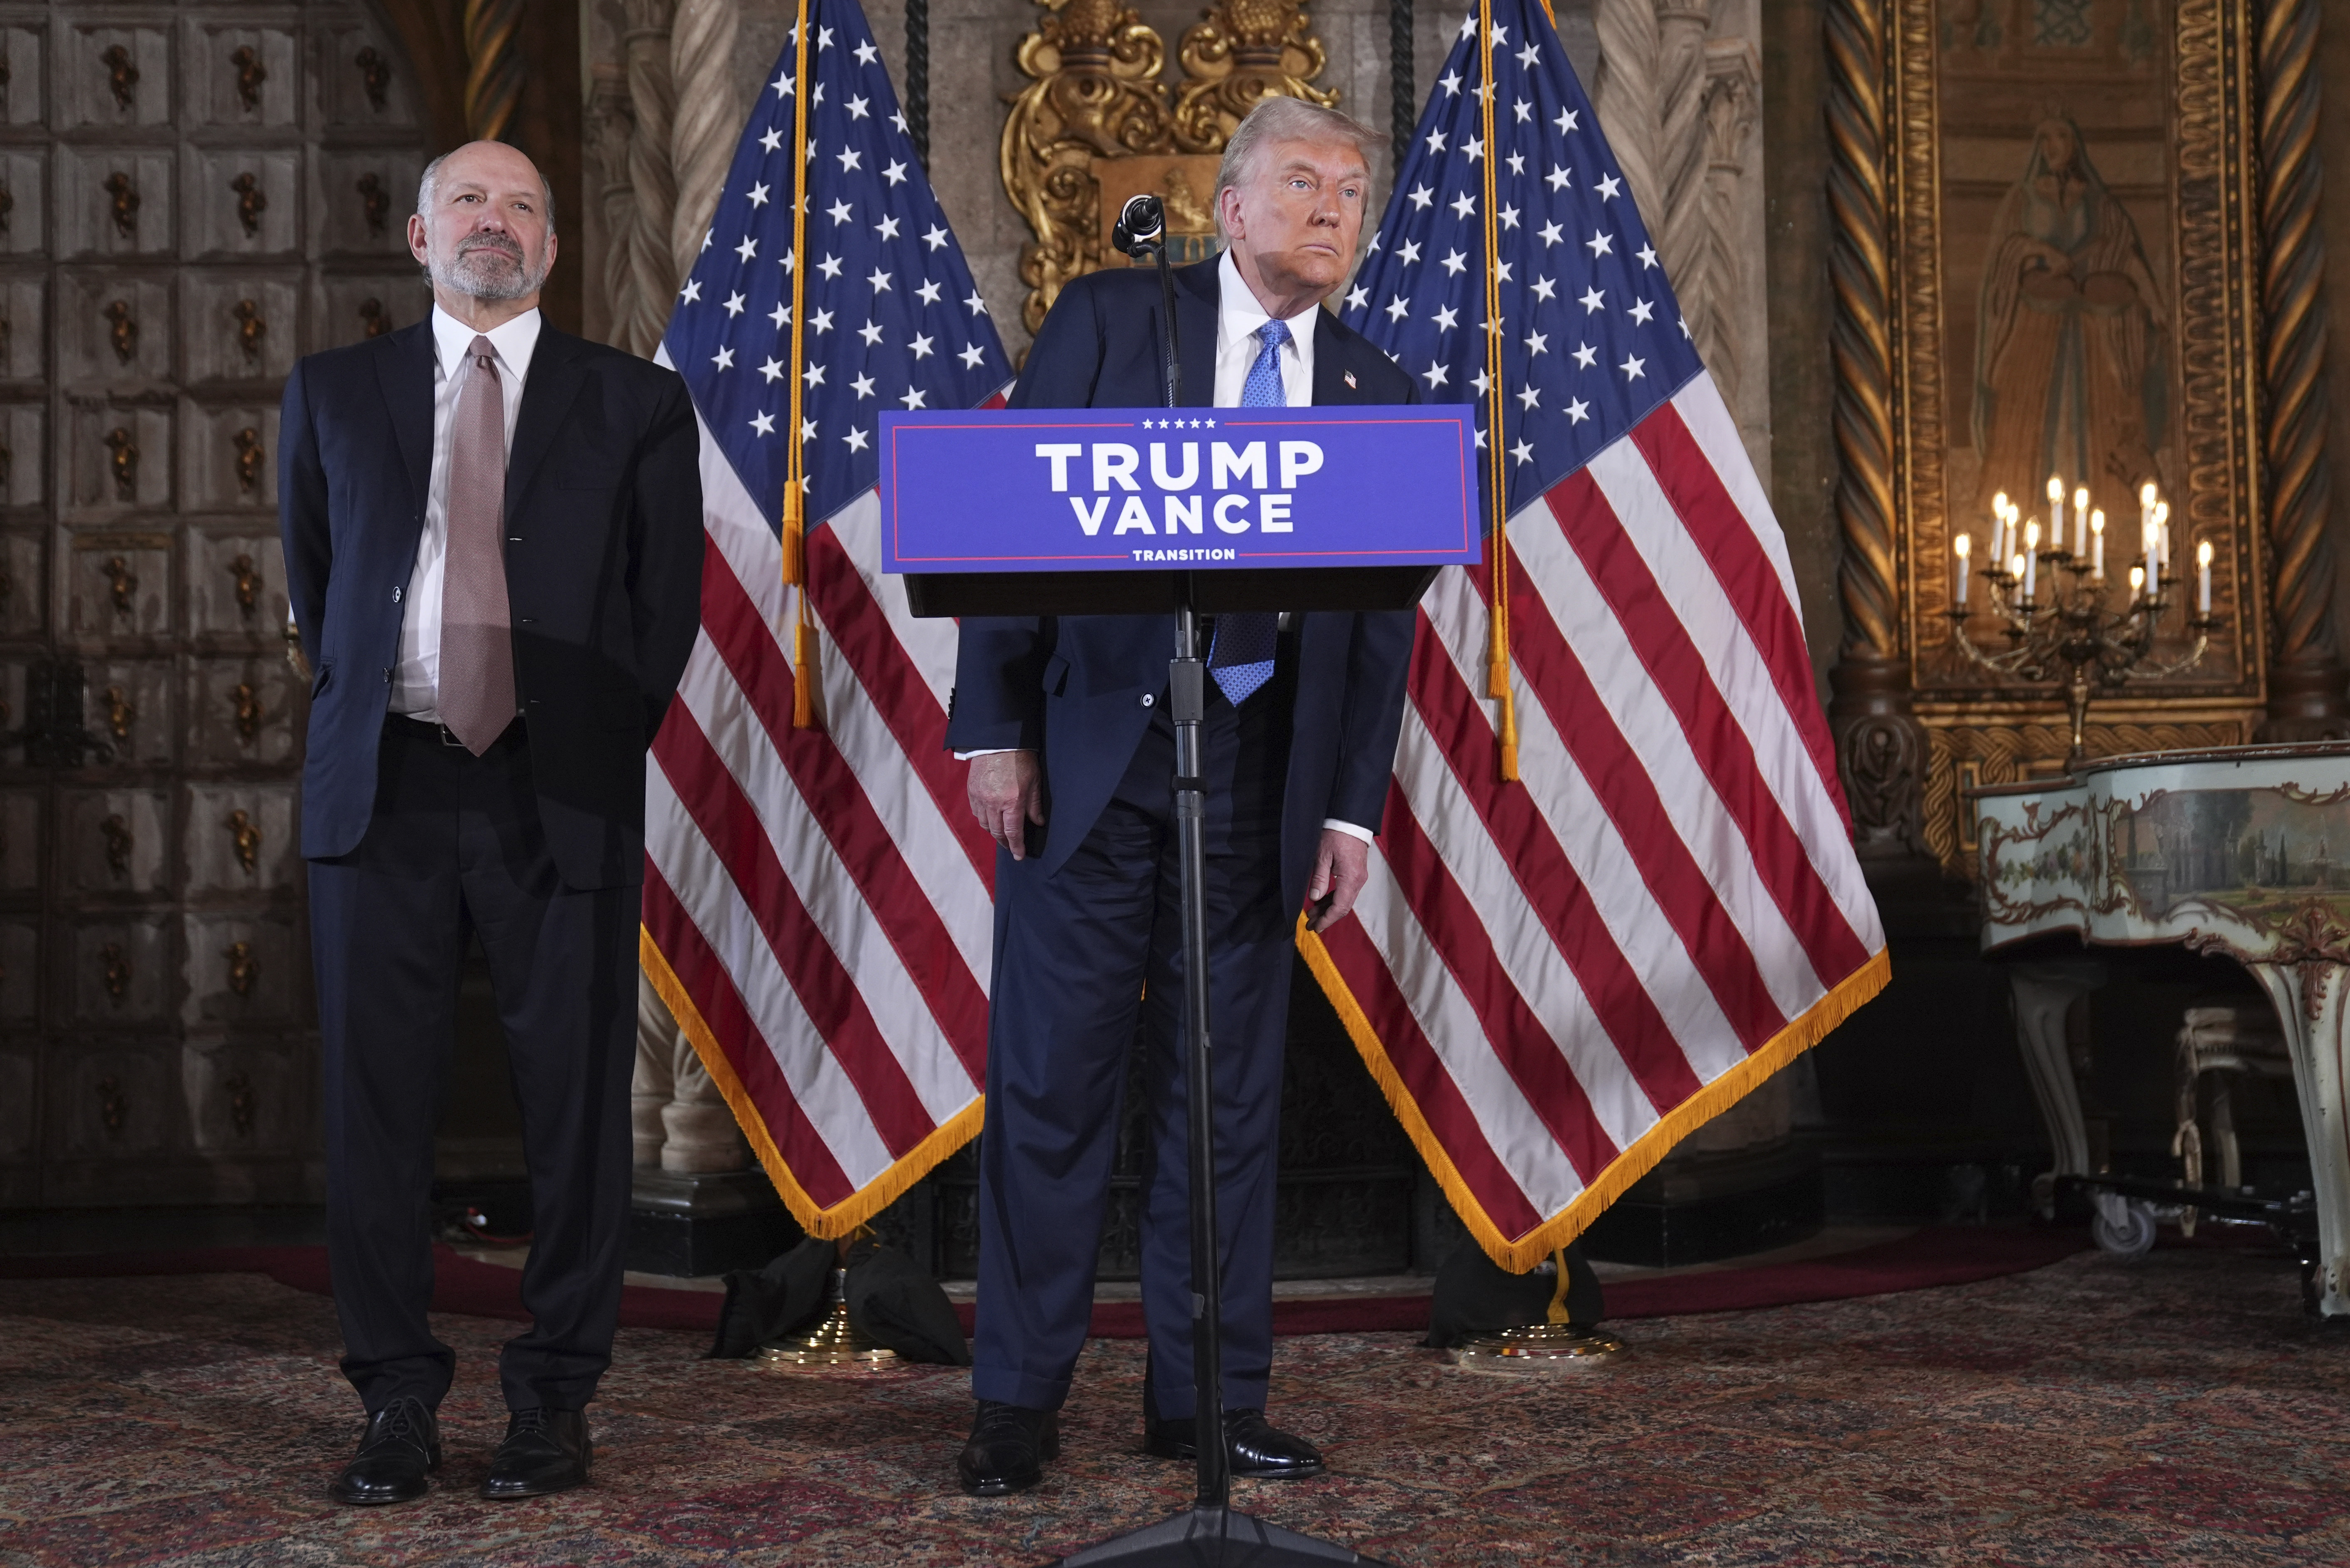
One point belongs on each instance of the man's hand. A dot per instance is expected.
(1005, 796)
(1341, 866)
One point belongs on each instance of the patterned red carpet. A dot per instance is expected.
(2175, 1410)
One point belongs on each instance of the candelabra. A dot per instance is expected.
(2071, 636)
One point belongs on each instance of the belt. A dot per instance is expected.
(420, 730)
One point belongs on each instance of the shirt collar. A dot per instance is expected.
(514, 340)
(1241, 315)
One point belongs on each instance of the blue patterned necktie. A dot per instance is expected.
(1242, 660)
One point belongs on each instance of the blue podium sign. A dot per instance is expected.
(1063, 489)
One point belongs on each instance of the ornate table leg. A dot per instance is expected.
(2310, 1006)
(2044, 993)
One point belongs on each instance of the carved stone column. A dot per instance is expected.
(1732, 255)
(1625, 97)
(709, 117)
(1880, 746)
(652, 96)
(1680, 226)
(2306, 699)
(679, 1120)
(611, 125)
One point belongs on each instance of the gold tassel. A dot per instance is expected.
(1509, 739)
(804, 671)
(795, 538)
(1558, 1312)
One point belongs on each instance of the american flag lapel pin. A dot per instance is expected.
(1350, 378)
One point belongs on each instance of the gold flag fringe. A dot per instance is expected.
(1520, 1253)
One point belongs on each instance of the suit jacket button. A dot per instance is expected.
(1148, 698)
(395, 595)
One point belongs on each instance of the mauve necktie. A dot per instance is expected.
(1242, 660)
(477, 681)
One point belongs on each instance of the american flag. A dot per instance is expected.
(817, 899)
(1555, 979)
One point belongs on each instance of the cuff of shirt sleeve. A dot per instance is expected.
(1350, 829)
(983, 751)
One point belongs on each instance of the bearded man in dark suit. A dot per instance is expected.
(493, 539)
(1066, 721)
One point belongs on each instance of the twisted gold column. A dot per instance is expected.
(2306, 699)
(493, 66)
(1880, 748)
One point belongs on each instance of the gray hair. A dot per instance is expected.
(432, 177)
(1284, 119)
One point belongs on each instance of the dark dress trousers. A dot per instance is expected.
(1086, 932)
(538, 845)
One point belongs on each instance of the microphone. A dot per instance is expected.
(1141, 227)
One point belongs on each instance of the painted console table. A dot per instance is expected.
(2243, 851)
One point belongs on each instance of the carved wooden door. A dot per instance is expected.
(191, 197)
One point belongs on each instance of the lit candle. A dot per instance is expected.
(2081, 520)
(1964, 545)
(2162, 534)
(2020, 566)
(2147, 496)
(2031, 557)
(2203, 578)
(2097, 545)
(2137, 581)
(2055, 512)
(1998, 528)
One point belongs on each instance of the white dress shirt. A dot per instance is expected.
(1238, 317)
(416, 683)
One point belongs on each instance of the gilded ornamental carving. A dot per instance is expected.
(1097, 98)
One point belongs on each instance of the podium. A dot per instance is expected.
(991, 514)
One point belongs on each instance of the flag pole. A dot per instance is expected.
(796, 572)
(1497, 669)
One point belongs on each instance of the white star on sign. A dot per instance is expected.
(773, 369)
(1585, 355)
(1632, 367)
(763, 424)
(1641, 311)
(1577, 411)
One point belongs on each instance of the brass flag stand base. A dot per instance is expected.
(834, 1342)
(1555, 1346)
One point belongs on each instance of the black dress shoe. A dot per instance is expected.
(401, 1447)
(1260, 1451)
(1008, 1448)
(543, 1451)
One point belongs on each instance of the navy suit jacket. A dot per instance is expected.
(603, 575)
(1072, 686)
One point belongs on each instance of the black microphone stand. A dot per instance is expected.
(1210, 1533)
